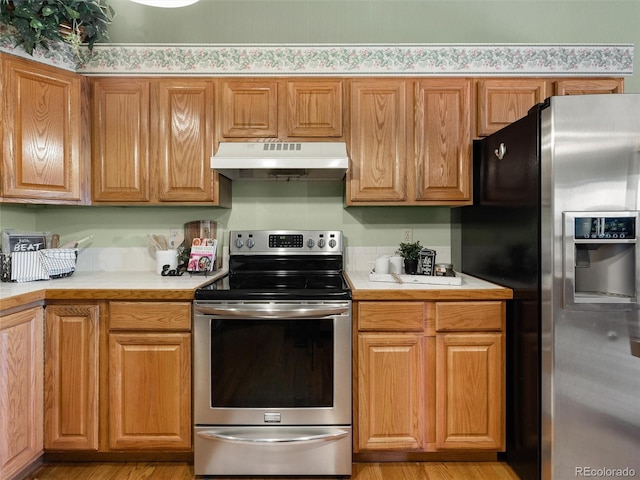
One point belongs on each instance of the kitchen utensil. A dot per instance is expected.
(75, 243)
(396, 277)
(162, 241)
(175, 240)
(55, 240)
(153, 243)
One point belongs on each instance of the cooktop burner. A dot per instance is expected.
(277, 265)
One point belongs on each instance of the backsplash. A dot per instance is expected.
(139, 259)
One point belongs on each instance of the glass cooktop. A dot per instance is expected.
(280, 277)
(290, 286)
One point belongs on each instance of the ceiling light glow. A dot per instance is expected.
(166, 3)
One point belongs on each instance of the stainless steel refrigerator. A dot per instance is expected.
(556, 218)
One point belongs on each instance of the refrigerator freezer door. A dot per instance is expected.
(590, 385)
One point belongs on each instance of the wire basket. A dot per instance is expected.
(45, 264)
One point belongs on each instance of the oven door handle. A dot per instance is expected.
(279, 310)
(283, 438)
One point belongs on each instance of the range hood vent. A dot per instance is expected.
(281, 160)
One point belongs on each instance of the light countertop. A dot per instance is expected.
(150, 286)
(471, 288)
(105, 285)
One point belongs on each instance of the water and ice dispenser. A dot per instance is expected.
(600, 251)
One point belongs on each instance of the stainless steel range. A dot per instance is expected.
(272, 359)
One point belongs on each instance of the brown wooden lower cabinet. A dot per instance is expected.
(469, 391)
(391, 386)
(72, 374)
(429, 376)
(149, 390)
(21, 380)
(118, 377)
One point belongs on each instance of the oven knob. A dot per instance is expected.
(251, 243)
(321, 243)
(310, 243)
(239, 242)
(332, 243)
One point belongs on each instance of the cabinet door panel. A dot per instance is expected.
(443, 139)
(150, 316)
(387, 316)
(470, 391)
(121, 140)
(184, 140)
(314, 108)
(149, 391)
(469, 315)
(71, 378)
(391, 384)
(586, 86)
(21, 390)
(249, 109)
(377, 141)
(43, 133)
(505, 100)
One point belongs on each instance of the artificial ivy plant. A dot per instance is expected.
(39, 22)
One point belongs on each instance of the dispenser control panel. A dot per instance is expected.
(605, 228)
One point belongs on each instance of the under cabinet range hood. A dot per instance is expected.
(281, 160)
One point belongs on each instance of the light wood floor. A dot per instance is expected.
(361, 471)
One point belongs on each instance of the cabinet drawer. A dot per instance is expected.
(477, 316)
(399, 316)
(149, 316)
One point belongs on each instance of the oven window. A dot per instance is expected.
(272, 363)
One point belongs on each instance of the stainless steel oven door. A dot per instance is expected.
(268, 363)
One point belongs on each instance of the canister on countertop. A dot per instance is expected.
(444, 270)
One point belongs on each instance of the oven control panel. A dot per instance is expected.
(257, 242)
(286, 240)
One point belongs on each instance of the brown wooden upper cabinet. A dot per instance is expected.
(153, 140)
(249, 109)
(502, 101)
(281, 109)
(588, 86)
(377, 142)
(442, 140)
(183, 121)
(410, 142)
(45, 138)
(120, 140)
(314, 108)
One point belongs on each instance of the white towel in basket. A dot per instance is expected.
(27, 267)
(58, 261)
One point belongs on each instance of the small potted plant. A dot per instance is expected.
(411, 254)
(39, 22)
